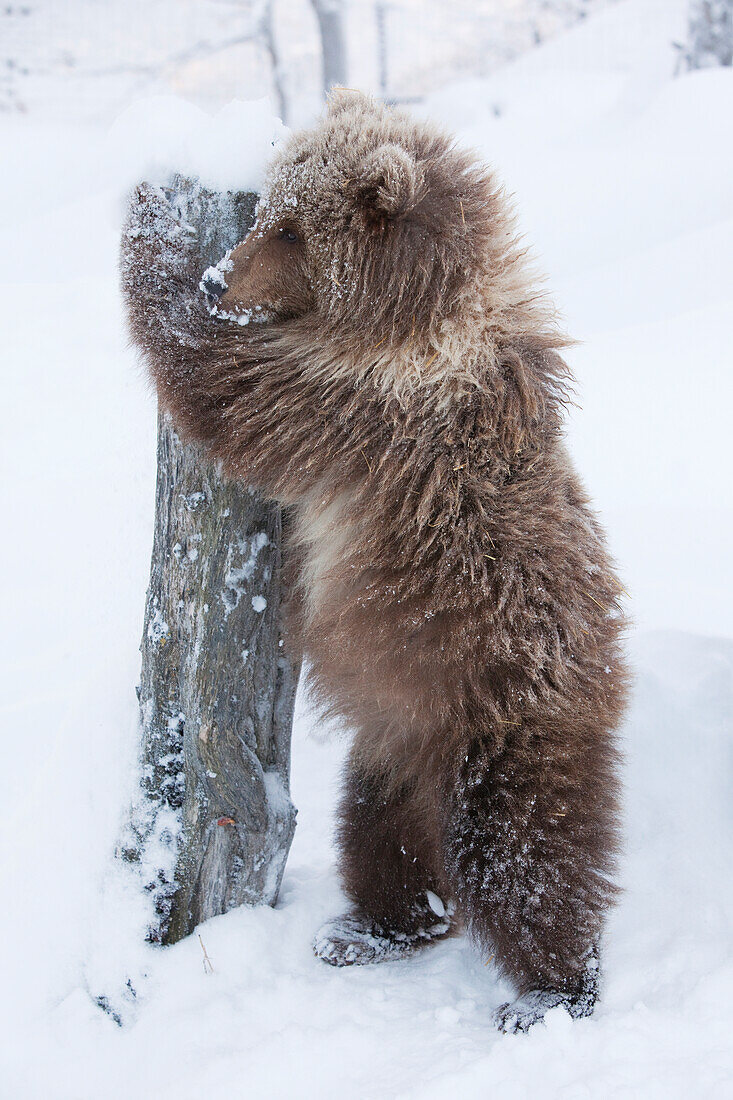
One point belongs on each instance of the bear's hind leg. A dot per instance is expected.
(529, 845)
(386, 867)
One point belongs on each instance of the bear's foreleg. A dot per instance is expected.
(529, 845)
(242, 392)
(387, 861)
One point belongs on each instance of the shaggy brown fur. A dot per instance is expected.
(450, 583)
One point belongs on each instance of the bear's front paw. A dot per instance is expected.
(160, 259)
(156, 226)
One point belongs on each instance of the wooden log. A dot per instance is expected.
(213, 824)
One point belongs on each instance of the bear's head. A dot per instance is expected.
(378, 226)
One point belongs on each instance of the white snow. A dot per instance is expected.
(227, 150)
(238, 577)
(157, 627)
(623, 184)
(435, 903)
(242, 317)
(215, 275)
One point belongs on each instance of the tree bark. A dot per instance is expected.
(214, 822)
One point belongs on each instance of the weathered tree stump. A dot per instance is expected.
(214, 822)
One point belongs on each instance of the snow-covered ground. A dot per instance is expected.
(623, 178)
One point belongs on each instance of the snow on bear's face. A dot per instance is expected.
(265, 277)
(371, 219)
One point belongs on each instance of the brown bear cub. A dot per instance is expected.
(403, 397)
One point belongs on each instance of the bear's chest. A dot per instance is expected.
(325, 531)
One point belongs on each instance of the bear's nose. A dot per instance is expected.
(214, 288)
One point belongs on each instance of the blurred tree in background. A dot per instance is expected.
(710, 39)
(82, 59)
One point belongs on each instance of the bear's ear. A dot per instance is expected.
(388, 183)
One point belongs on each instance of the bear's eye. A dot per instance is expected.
(289, 235)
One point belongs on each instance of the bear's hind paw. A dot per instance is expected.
(353, 940)
(526, 1011)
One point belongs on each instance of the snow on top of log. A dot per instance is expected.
(227, 151)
